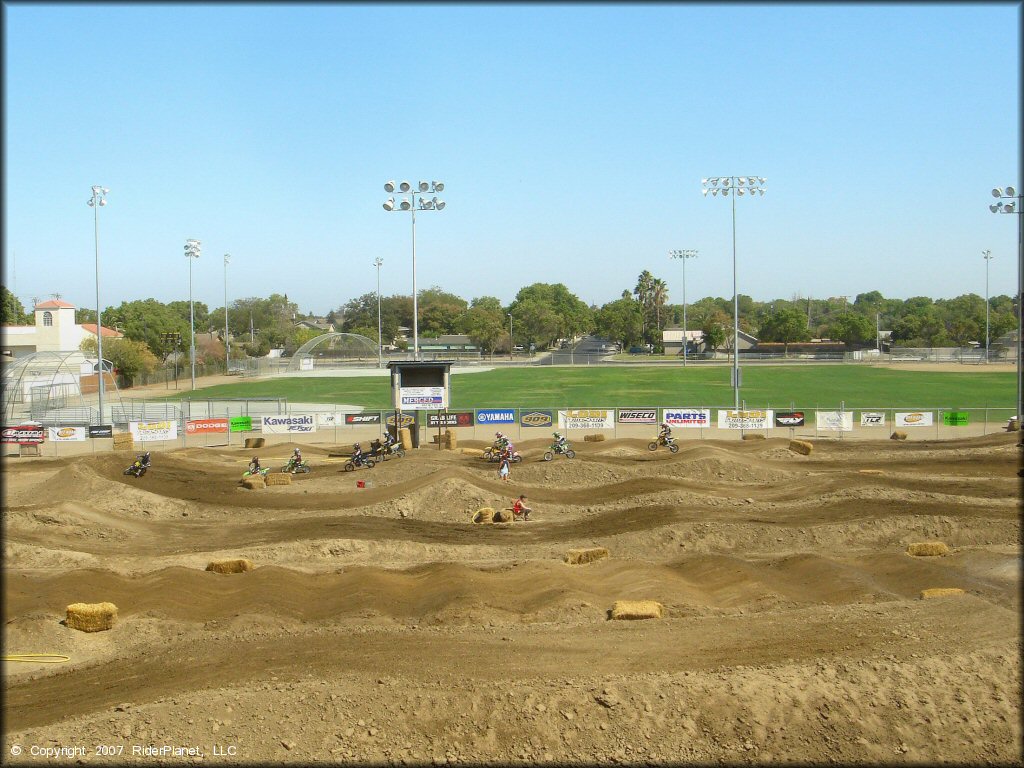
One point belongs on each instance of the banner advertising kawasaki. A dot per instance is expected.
(240, 424)
(744, 419)
(148, 431)
(586, 418)
(61, 434)
(276, 425)
(687, 417)
(835, 421)
(872, 418)
(915, 419)
(955, 418)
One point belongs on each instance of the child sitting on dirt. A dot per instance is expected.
(519, 508)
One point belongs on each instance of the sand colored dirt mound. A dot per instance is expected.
(383, 626)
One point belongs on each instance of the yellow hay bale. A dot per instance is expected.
(405, 437)
(581, 556)
(898, 435)
(254, 482)
(484, 515)
(637, 609)
(123, 441)
(279, 478)
(871, 471)
(503, 516)
(927, 594)
(753, 436)
(927, 549)
(801, 447)
(238, 565)
(255, 442)
(597, 437)
(91, 617)
(451, 441)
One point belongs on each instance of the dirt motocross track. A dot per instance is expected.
(380, 625)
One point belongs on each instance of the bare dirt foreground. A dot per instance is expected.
(380, 625)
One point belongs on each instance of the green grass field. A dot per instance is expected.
(805, 386)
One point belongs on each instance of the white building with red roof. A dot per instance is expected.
(55, 330)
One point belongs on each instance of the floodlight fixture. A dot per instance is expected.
(389, 186)
(405, 186)
(1012, 205)
(405, 205)
(389, 204)
(997, 192)
(424, 186)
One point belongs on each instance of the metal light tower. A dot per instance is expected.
(987, 256)
(99, 198)
(227, 344)
(191, 252)
(683, 256)
(510, 342)
(739, 186)
(411, 203)
(1014, 207)
(380, 341)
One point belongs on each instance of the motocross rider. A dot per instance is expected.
(254, 466)
(665, 434)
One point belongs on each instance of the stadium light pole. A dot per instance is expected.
(1014, 207)
(98, 199)
(191, 253)
(411, 203)
(987, 255)
(683, 256)
(227, 344)
(739, 186)
(510, 341)
(380, 341)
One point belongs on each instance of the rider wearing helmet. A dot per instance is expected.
(559, 440)
(254, 465)
(145, 459)
(665, 433)
(296, 459)
(357, 452)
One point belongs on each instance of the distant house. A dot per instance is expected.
(672, 340)
(456, 342)
(316, 324)
(54, 330)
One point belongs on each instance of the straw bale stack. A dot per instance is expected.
(91, 617)
(637, 609)
(801, 446)
(597, 437)
(582, 556)
(123, 441)
(279, 478)
(927, 594)
(238, 565)
(503, 516)
(254, 482)
(871, 471)
(405, 438)
(255, 442)
(753, 436)
(451, 442)
(898, 435)
(927, 549)
(484, 515)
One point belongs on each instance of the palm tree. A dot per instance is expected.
(659, 295)
(644, 285)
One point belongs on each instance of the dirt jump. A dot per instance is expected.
(735, 602)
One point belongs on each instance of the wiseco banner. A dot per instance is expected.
(204, 426)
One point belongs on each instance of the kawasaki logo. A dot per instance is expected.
(282, 421)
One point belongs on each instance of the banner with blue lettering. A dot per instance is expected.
(496, 416)
(687, 417)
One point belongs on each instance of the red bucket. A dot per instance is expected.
(360, 483)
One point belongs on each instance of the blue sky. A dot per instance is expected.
(572, 140)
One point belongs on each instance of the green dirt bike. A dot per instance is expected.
(296, 469)
(560, 448)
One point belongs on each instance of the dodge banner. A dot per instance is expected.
(205, 426)
(149, 431)
(744, 419)
(586, 419)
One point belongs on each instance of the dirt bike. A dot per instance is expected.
(359, 461)
(669, 441)
(493, 455)
(261, 471)
(301, 468)
(137, 469)
(562, 448)
(383, 451)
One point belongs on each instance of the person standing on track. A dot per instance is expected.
(503, 467)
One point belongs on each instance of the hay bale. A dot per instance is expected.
(484, 515)
(123, 441)
(753, 436)
(581, 556)
(637, 609)
(801, 446)
(91, 617)
(254, 482)
(405, 438)
(255, 442)
(279, 478)
(927, 594)
(898, 435)
(238, 565)
(502, 516)
(927, 549)
(451, 442)
(871, 471)
(597, 437)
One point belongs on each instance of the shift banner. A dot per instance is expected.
(744, 419)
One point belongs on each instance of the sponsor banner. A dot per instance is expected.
(24, 434)
(744, 419)
(536, 418)
(638, 416)
(204, 426)
(404, 420)
(687, 417)
(62, 434)
(306, 364)
(148, 431)
(872, 419)
(422, 398)
(240, 424)
(450, 419)
(363, 418)
(955, 418)
(496, 416)
(835, 421)
(586, 418)
(789, 418)
(103, 430)
(277, 425)
(329, 419)
(915, 419)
